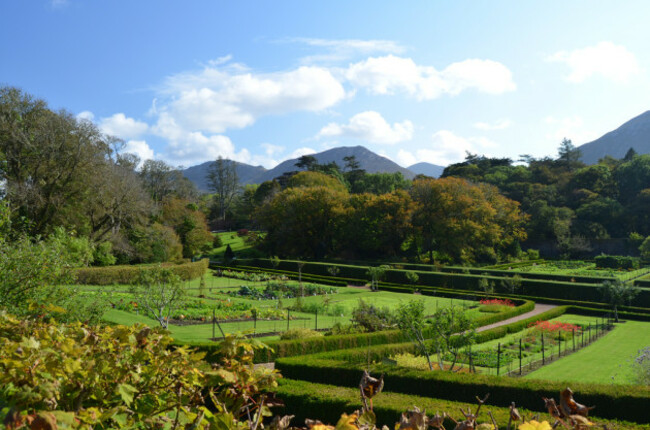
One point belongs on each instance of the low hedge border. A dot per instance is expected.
(543, 288)
(128, 274)
(314, 345)
(327, 402)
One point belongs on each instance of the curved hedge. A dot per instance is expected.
(128, 274)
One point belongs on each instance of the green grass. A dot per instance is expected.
(341, 305)
(607, 360)
(237, 244)
(580, 268)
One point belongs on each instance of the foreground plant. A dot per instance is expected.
(75, 376)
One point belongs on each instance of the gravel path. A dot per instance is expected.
(539, 308)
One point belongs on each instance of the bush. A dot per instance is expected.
(103, 255)
(617, 262)
(128, 274)
(299, 333)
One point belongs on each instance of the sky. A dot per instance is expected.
(261, 82)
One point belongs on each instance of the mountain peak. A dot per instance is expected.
(634, 133)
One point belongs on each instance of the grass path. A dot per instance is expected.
(606, 361)
(539, 308)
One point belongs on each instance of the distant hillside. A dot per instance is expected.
(368, 160)
(633, 134)
(246, 173)
(427, 169)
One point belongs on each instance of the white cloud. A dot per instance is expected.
(372, 127)
(337, 50)
(606, 59)
(446, 148)
(572, 128)
(391, 75)
(139, 148)
(219, 98)
(121, 126)
(86, 115)
(59, 3)
(271, 150)
(300, 152)
(406, 158)
(497, 125)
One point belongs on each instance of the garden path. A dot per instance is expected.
(539, 308)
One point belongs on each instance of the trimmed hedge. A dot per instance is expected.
(128, 274)
(530, 287)
(327, 402)
(295, 347)
(617, 262)
(613, 402)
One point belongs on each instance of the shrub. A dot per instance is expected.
(617, 262)
(103, 254)
(242, 232)
(299, 333)
(128, 274)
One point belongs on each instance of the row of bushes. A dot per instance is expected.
(542, 288)
(313, 345)
(343, 367)
(327, 402)
(128, 274)
(617, 262)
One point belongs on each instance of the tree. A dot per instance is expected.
(468, 222)
(163, 181)
(224, 183)
(452, 331)
(372, 318)
(376, 274)
(412, 321)
(306, 162)
(228, 254)
(569, 155)
(160, 292)
(618, 293)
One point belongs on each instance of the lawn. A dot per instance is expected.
(607, 360)
(509, 344)
(221, 294)
(238, 244)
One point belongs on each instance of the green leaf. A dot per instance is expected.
(126, 391)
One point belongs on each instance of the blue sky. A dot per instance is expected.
(263, 81)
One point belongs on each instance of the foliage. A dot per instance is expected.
(618, 293)
(372, 318)
(103, 255)
(616, 262)
(128, 274)
(411, 320)
(452, 332)
(223, 182)
(469, 222)
(299, 333)
(160, 292)
(641, 366)
(75, 251)
(122, 377)
(376, 274)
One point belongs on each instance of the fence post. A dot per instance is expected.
(213, 320)
(559, 343)
(582, 336)
(499, 359)
(543, 355)
(316, 324)
(288, 318)
(573, 335)
(589, 332)
(255, 322)
(519, 356)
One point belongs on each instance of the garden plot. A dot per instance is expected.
(607, 361)
(543, 340)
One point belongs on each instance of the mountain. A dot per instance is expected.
(427, 169)
(246, 173)
(368, 160)
(633, 134)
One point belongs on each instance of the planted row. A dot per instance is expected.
(128, 274)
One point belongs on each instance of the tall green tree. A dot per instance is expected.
(224, 183)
